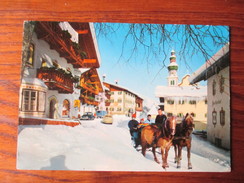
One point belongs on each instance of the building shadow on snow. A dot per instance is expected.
(57, 163)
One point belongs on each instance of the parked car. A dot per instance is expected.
(87, 116)
(107, 119)
(101, 114)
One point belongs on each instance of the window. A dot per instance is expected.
(161, 100)
(111, 109)
(119, 100)
(172, 82)
(120, 92)
(112, 100)
(181, 102)
(206, 101)
(66, 108)
(119, 109)
(170, 102)
(30, 55)
(214, 117)
(222, 117)
(192, 102)
(33, 100)
(214, 87)
(221, 84)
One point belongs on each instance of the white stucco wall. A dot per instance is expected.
(43, 51)
(217, 102)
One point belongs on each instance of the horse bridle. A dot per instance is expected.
(186, 128)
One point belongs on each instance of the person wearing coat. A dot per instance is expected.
(134, 130)
(160, 118)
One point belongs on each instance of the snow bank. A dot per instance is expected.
(93, 146)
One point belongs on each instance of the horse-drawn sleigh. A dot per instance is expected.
(178, 135)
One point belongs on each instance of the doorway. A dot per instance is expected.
(52, 109)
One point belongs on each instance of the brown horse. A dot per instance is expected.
(183, 138)
(153, 136)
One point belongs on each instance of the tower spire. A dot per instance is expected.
(172, 68)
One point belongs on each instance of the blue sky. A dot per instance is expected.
(139, 74)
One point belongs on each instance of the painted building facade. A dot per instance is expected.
(216, 72)
(60, 54)
(180, 98)
(123, 101)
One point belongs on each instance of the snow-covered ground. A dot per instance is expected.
(100, 147)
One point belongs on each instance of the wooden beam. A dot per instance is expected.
(82, 31)
(89, 61)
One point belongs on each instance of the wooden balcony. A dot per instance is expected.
(60, 41)
(90, 88)
(139, 104)
(56, 79)
(88, 100)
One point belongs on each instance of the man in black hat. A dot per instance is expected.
(160, 118)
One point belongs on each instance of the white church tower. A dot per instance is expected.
(173, 67)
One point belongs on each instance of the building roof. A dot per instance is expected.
(34, 81)
(181, 92)
(212, 66)
(123, 88)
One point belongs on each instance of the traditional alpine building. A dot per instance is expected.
(217, 72)
(60, 80)
(181, 98)
(123, 101)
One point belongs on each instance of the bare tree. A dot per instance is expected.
(154, 39)
(27, 37)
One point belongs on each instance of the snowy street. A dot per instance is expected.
(101, 147)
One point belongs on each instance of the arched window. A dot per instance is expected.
(66, 108)
(214, 117)
(221, 84)
(222, 117)
(214, 87)
(30, 56)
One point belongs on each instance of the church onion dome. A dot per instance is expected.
(172, 57)
(173, 66)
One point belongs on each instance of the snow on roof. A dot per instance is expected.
(95, 42)
(82, 70)
(223, 51)
(69, 28)
(180, 92)
(122, 87)
(106, 88)
(34, 81)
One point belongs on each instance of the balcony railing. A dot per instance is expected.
(88, 100)
(60, 40)
(90, 88)
(56, 79)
